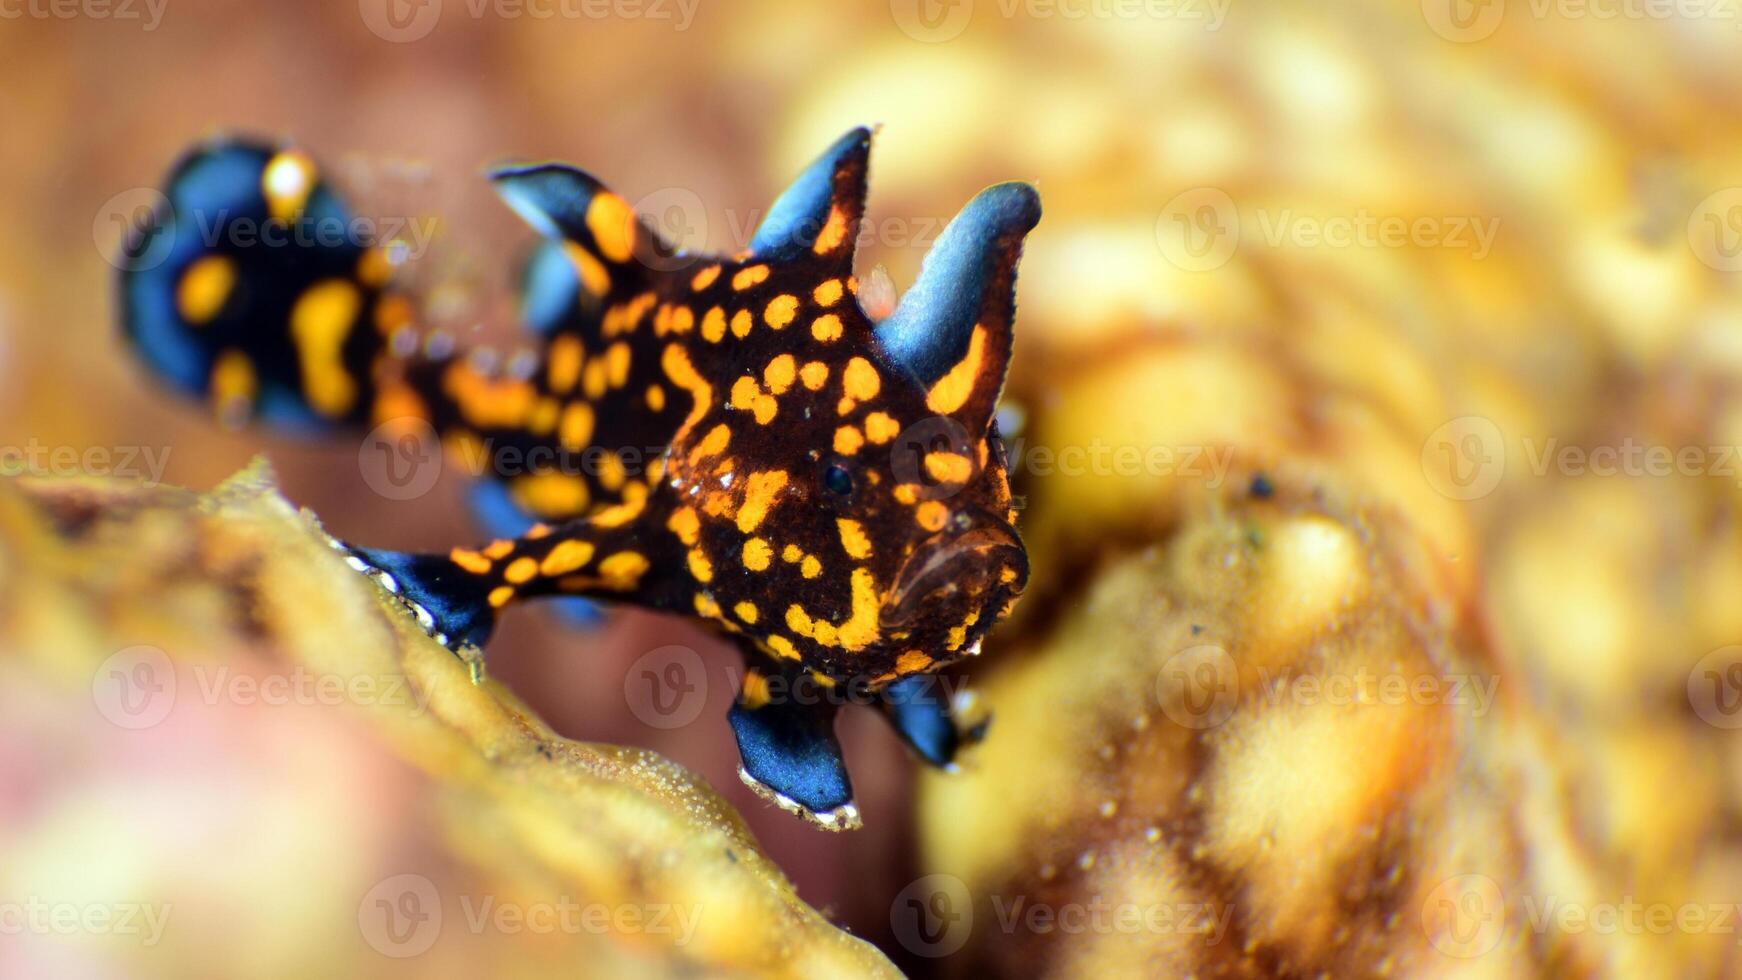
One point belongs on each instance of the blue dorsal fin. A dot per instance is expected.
(952, 329)
(823, 205)
(552, 197)
(611, 247)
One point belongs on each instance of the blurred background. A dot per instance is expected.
(1464, 273)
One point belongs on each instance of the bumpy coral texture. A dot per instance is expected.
(1268, 712)
(497, 820)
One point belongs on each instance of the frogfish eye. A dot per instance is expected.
(837, 480)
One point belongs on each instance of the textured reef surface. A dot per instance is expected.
(264, 689)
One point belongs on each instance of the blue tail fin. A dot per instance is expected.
(252, 287)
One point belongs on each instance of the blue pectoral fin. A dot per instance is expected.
(495, 511)
(791, 758)
(920, 711)
(450, 603)
(550, 290)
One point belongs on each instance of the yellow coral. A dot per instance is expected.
(312, 782)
